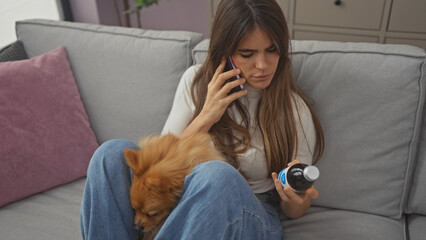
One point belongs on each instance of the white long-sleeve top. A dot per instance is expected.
(253, 161)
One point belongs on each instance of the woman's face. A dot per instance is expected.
(257, 57)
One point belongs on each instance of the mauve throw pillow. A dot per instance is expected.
(45, 136)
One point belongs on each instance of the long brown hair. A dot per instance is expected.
(275, 113)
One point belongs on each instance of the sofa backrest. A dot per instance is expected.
(369, 98)
(416, 207)
(126, 77)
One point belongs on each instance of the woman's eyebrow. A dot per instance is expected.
(247, 50)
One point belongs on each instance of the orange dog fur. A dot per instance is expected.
(159, 170)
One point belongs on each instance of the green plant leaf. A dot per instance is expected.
(145, 3)
(131, 10)
(139, 5)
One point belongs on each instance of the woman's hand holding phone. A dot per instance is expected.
(217, 99)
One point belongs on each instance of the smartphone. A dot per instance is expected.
(229, 66)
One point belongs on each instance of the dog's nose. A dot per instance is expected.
(138, 227)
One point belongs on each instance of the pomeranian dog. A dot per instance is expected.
(159, 170)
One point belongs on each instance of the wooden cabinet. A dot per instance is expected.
(351, 14)
(380, 21)
(407, 23)
(327, 36)
(408, 16)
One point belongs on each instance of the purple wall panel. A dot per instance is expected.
(189, 15)
(84, 11)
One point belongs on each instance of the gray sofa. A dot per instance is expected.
(370, 99)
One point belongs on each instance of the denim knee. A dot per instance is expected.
(110, 156)
(106, 212)
(218, 176)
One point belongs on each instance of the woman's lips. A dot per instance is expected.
(263, 77)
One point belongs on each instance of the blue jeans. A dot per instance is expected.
(217, 202)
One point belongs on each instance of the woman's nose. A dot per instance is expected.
(261, 61)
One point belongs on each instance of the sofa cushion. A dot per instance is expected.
(417, 199)
(324, 223)
(13, 52)
(369, 98)
(127, 77)
(53, 214)
(416, 227)
(45, 139)
(199, 53)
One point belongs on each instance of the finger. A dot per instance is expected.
(274, 176)
(279, 187)
(224, 76)
(281, 191)
(312, 193)
(232, 97)
(294, 197)
(219, 69)
(290, 193)
(230, 85)
(287, 192)
(293, 162)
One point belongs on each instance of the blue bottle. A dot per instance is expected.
(299, 177)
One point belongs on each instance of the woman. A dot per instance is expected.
(260, 129)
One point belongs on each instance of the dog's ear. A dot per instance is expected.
(131, 157)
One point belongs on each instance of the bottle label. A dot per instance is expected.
(282, 177)
(296, 178)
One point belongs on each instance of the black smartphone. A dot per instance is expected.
(229, 66)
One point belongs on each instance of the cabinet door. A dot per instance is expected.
(408, 16)
(356, 14)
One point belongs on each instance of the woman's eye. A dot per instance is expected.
(246, 55)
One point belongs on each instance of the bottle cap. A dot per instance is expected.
(311, 173)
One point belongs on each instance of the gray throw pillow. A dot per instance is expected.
(13, 52)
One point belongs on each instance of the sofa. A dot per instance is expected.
(370, 99)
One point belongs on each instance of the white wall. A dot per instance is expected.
(14, 10)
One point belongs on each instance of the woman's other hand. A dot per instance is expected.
(294, 204)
